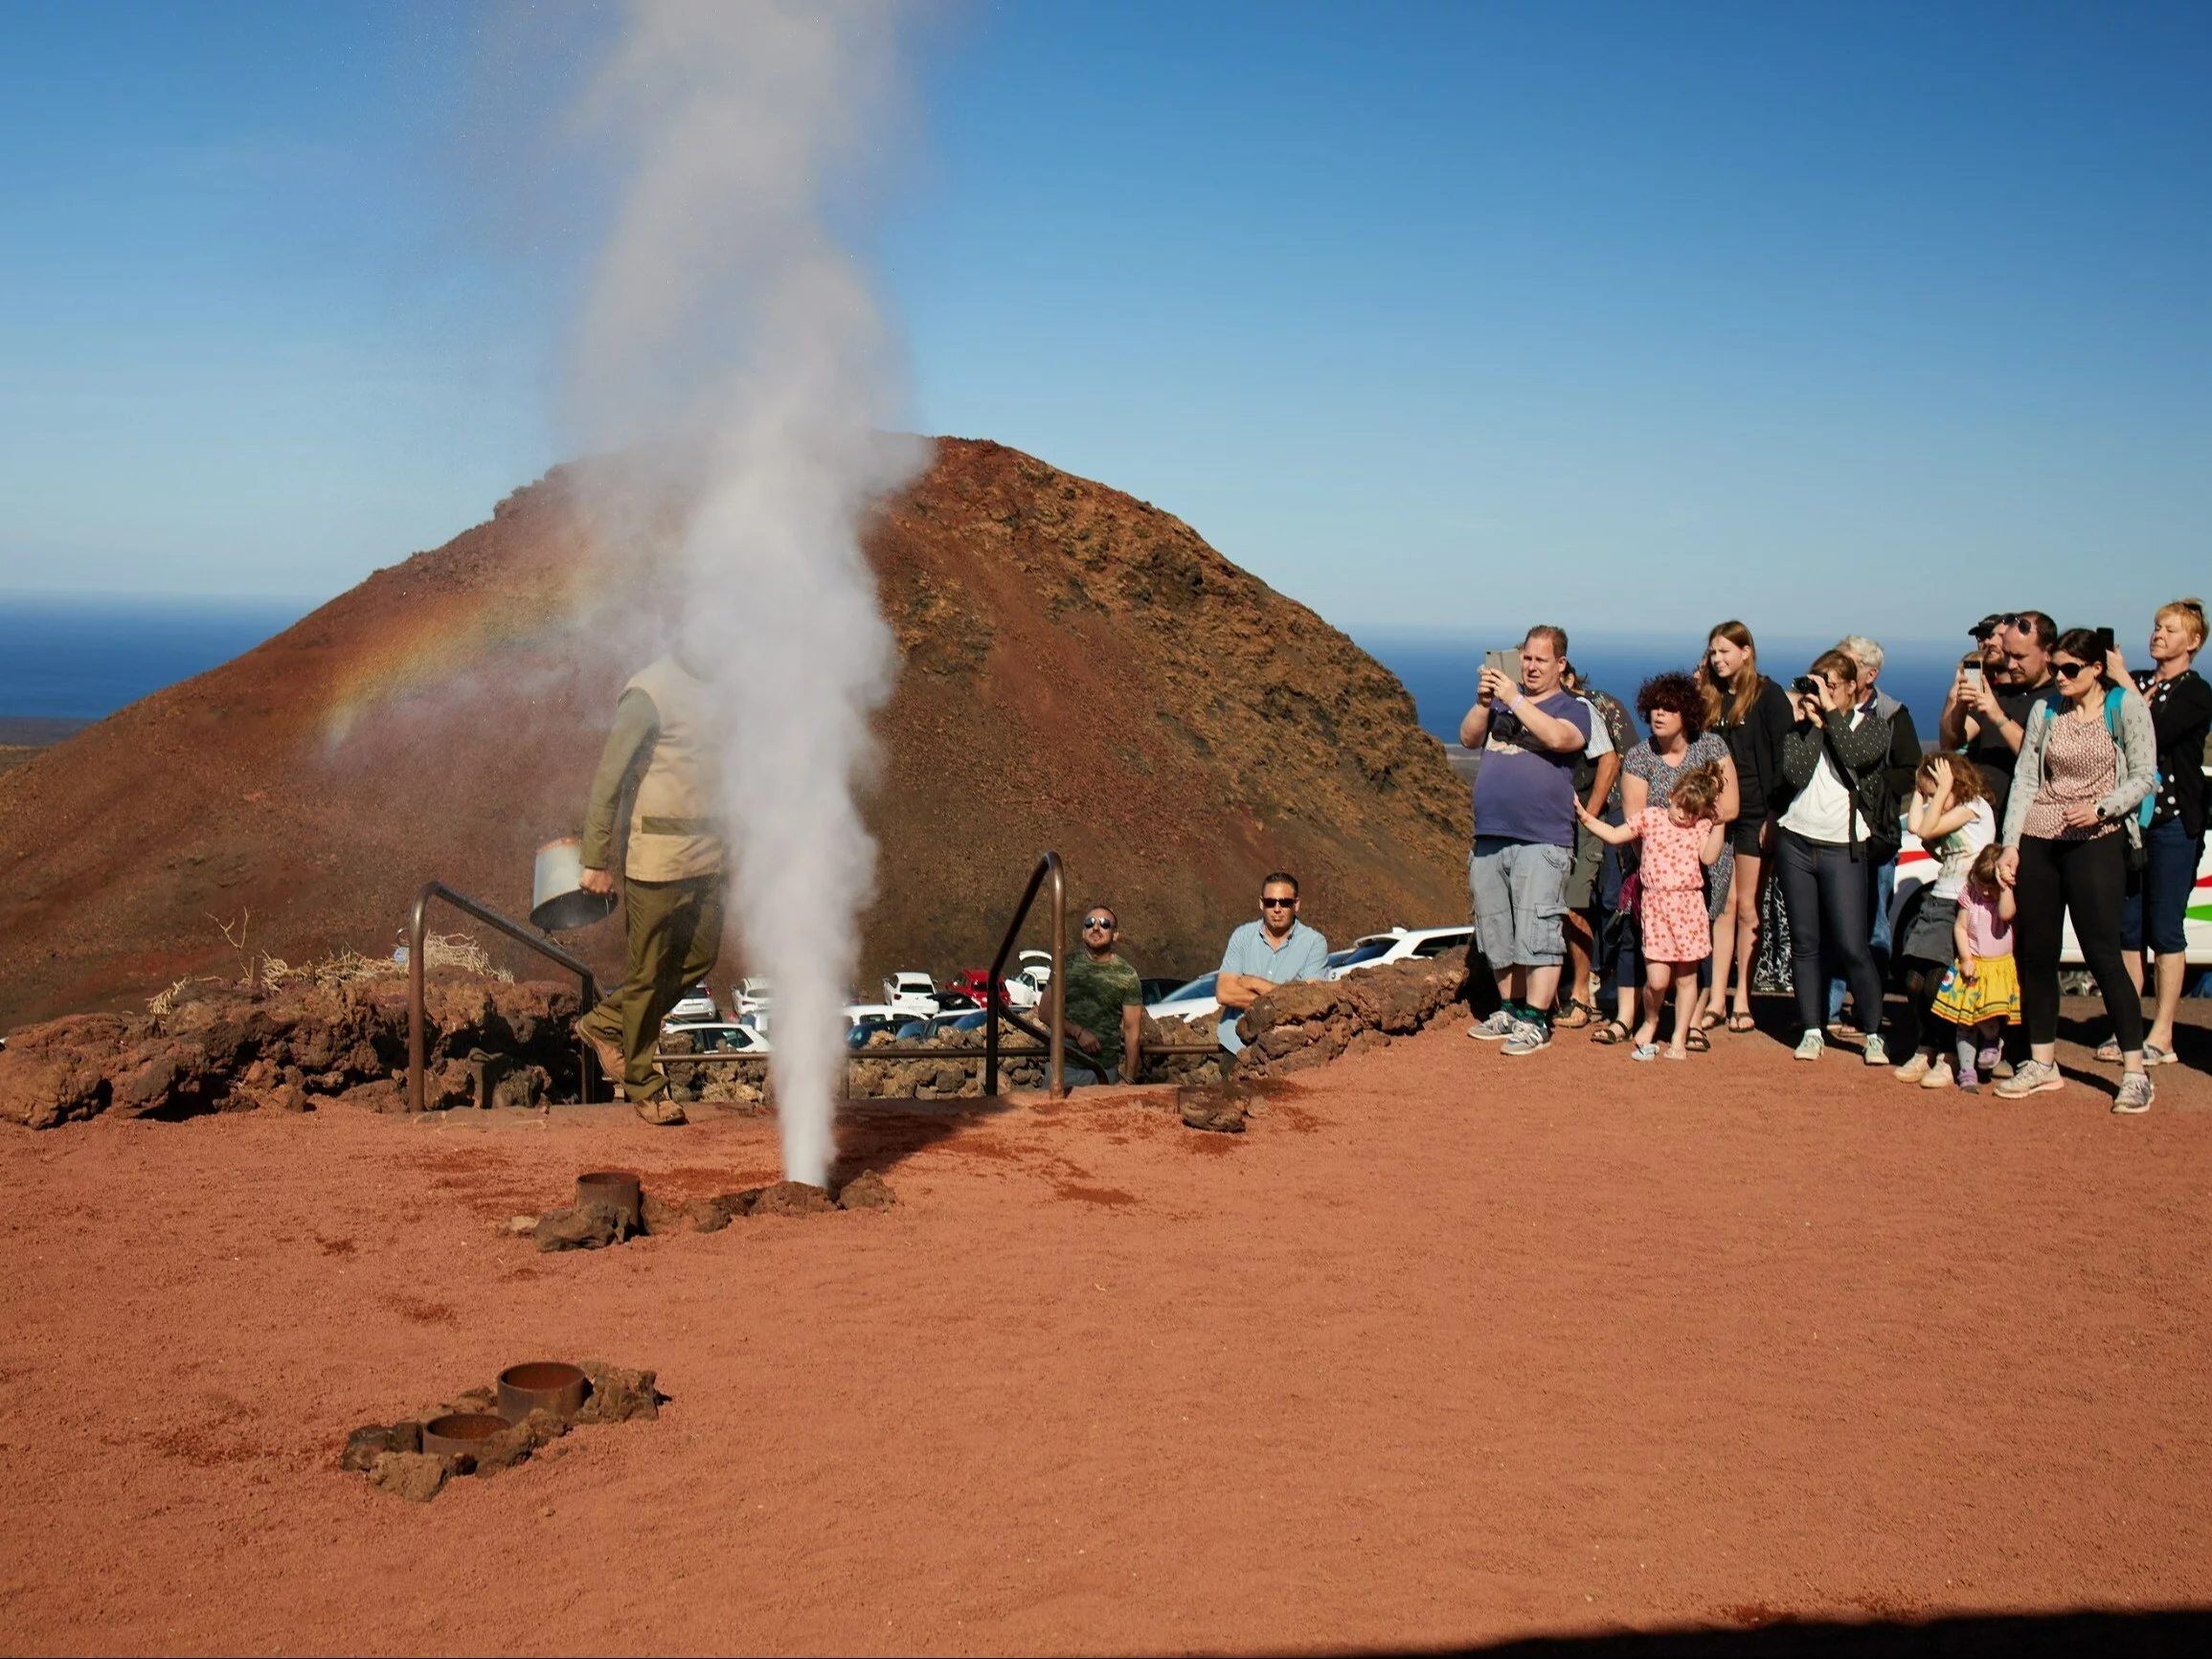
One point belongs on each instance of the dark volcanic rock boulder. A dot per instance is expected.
(216, 1047)
(1296, 1027)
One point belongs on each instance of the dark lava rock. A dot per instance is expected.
(661, 1215)
(792, 1199)
(407, 1436)
(735, 1204)
(1220, 1111)
(617, 1395)
(365, 1446)
(867, 1191)
(544, 1426)
(503, 1451)
(413, 1476)
(592, 1227)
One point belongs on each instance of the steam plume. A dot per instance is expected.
(729, 330)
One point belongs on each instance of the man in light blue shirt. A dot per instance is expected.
(1273, 951)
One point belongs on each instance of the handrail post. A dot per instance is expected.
(1056, 1076)
(1048, 865)
(417, 929)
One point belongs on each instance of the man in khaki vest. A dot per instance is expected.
(664, 740)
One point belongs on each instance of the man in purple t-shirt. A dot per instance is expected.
(1529, 734)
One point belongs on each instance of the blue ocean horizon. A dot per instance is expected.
(66, 661)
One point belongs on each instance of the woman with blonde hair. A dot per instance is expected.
(2158, 906)
(1752, 715)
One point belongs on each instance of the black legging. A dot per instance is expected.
(1825, 888)
(2089, 881)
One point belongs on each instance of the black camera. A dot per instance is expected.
(1806, 683)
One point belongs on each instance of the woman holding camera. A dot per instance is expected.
(2087, 761)
(1751, 715)
(1832, 762)
(2180, 704)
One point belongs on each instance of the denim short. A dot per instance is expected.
(1520, 890)
(2162, 889)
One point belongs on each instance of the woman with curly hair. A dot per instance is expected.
(1672, 708)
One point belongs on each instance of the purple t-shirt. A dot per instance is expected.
(1526, 793)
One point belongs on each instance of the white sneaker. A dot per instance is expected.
(1913, 1069)
(1810, 1046)
(1937, 1075)
(1495, 1029)
(2135, 1093)
(1877, 1052)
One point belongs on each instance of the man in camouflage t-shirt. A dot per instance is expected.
(1104, 1002)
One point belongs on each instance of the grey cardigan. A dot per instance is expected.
(2138, 765)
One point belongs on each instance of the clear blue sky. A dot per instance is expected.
(1628, 315)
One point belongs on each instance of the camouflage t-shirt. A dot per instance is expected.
(1097, 994)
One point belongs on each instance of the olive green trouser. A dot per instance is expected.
(675, 933)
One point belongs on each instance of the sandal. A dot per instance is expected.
(2108, 1051)
(1709, 1021)
(1697, 1042)
(1742, 1022)
(1573, 1015)
(1612, 1031)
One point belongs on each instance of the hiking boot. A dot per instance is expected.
(612, 1065)
(662, 1111)
(2135, 1093)
(1877, 1051)
(1810, 1046)
(2032, 1077)
(1495, 1029)
(1937, 1075)
(1529, 1035)
(1915, 1069)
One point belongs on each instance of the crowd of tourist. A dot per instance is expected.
(2059, 786)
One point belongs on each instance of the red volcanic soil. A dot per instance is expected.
(1448, 1347)
(1078, 671)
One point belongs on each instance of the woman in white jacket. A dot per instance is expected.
(2088, 760)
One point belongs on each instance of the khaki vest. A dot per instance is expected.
(674, 833)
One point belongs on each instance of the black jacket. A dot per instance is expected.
(1862, 754)
(1756, 743)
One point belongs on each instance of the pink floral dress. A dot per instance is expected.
(1675, 928)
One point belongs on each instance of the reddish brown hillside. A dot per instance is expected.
(1080, 671)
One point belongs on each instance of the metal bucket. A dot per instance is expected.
(558, 900)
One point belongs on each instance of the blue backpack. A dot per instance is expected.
(2150, 804)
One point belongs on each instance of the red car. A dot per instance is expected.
(975, 982)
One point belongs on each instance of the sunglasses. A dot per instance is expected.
(1276, 904)
(1097, 923)
(2067, 670)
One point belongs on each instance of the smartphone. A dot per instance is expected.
(1971, 673)
(1507, 662)
(2104, 642)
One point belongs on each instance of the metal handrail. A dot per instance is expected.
(1056, 1042)
(416, 918)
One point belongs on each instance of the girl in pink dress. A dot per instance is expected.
(1680, 840)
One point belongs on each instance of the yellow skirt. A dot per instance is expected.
(1992, 994)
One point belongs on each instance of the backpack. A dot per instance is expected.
(2149, 806)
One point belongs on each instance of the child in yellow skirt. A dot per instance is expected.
(1980, 994)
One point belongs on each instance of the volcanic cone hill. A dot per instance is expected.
(1080, 671)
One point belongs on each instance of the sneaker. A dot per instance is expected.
(1527, 1038)
(1495, 1029)
(1914, 1069)
(1877, 1051)
(1992, 1064)
(2032, 1077)
(1968, 1083)
(2135, 1093)
(1937, 1075)
(662, 1112)
(1810, 1046)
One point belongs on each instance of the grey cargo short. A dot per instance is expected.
(1519, 892)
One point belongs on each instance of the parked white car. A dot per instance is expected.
(1188, 1000)
(1026, 989)
(719, 1036)
(911, 993)
(1398, 945)
(695, 1007)
(856, 1011)
(752, 996)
